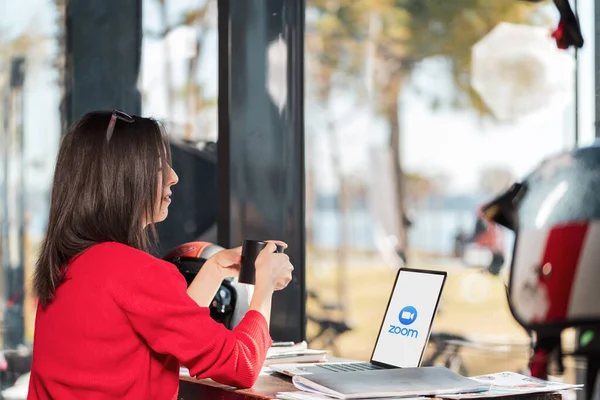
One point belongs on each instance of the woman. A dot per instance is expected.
(113, 322)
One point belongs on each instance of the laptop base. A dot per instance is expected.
(321, 368)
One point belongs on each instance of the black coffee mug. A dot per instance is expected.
(250, 250)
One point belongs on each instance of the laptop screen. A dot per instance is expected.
(408, 318)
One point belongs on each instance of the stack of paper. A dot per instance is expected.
(416, 383)
(295, 353)
(513, 384)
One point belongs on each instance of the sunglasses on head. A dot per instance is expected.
(117, 114)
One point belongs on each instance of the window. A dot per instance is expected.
(402, 149)
(31, 54)
(179, 67)
(178, 84)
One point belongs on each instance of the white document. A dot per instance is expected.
(510, 383)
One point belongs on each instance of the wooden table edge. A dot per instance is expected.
(268, 385)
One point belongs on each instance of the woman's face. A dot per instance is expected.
(163, 196)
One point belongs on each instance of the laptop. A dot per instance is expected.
(404, 331)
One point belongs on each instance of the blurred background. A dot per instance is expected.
(414, 116)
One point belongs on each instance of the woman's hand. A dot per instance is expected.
(227, 262)
(273, 270)
(222, 265)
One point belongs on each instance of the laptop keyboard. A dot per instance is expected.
(348, 367)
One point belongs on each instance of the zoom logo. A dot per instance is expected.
(407, 316)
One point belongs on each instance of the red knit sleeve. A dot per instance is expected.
(154, 298)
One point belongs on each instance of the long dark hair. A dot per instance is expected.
(102, 191)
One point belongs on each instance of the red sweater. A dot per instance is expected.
(121, 325)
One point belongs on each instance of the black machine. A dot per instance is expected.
(189, 259)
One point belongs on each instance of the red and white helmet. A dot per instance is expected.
(555, 214)
(555, 271)
(189, 258)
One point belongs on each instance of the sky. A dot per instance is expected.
(449, 142)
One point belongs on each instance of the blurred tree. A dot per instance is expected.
(202, 19)
(59, 61)
(166, 29)
(333, 43)
(399, 35)
(18, 55)
(418, 187)
(20, 45)
(410, 31)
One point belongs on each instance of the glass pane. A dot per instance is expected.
(30, 94)
(416, 114)
(179, 66)
(179, 86)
